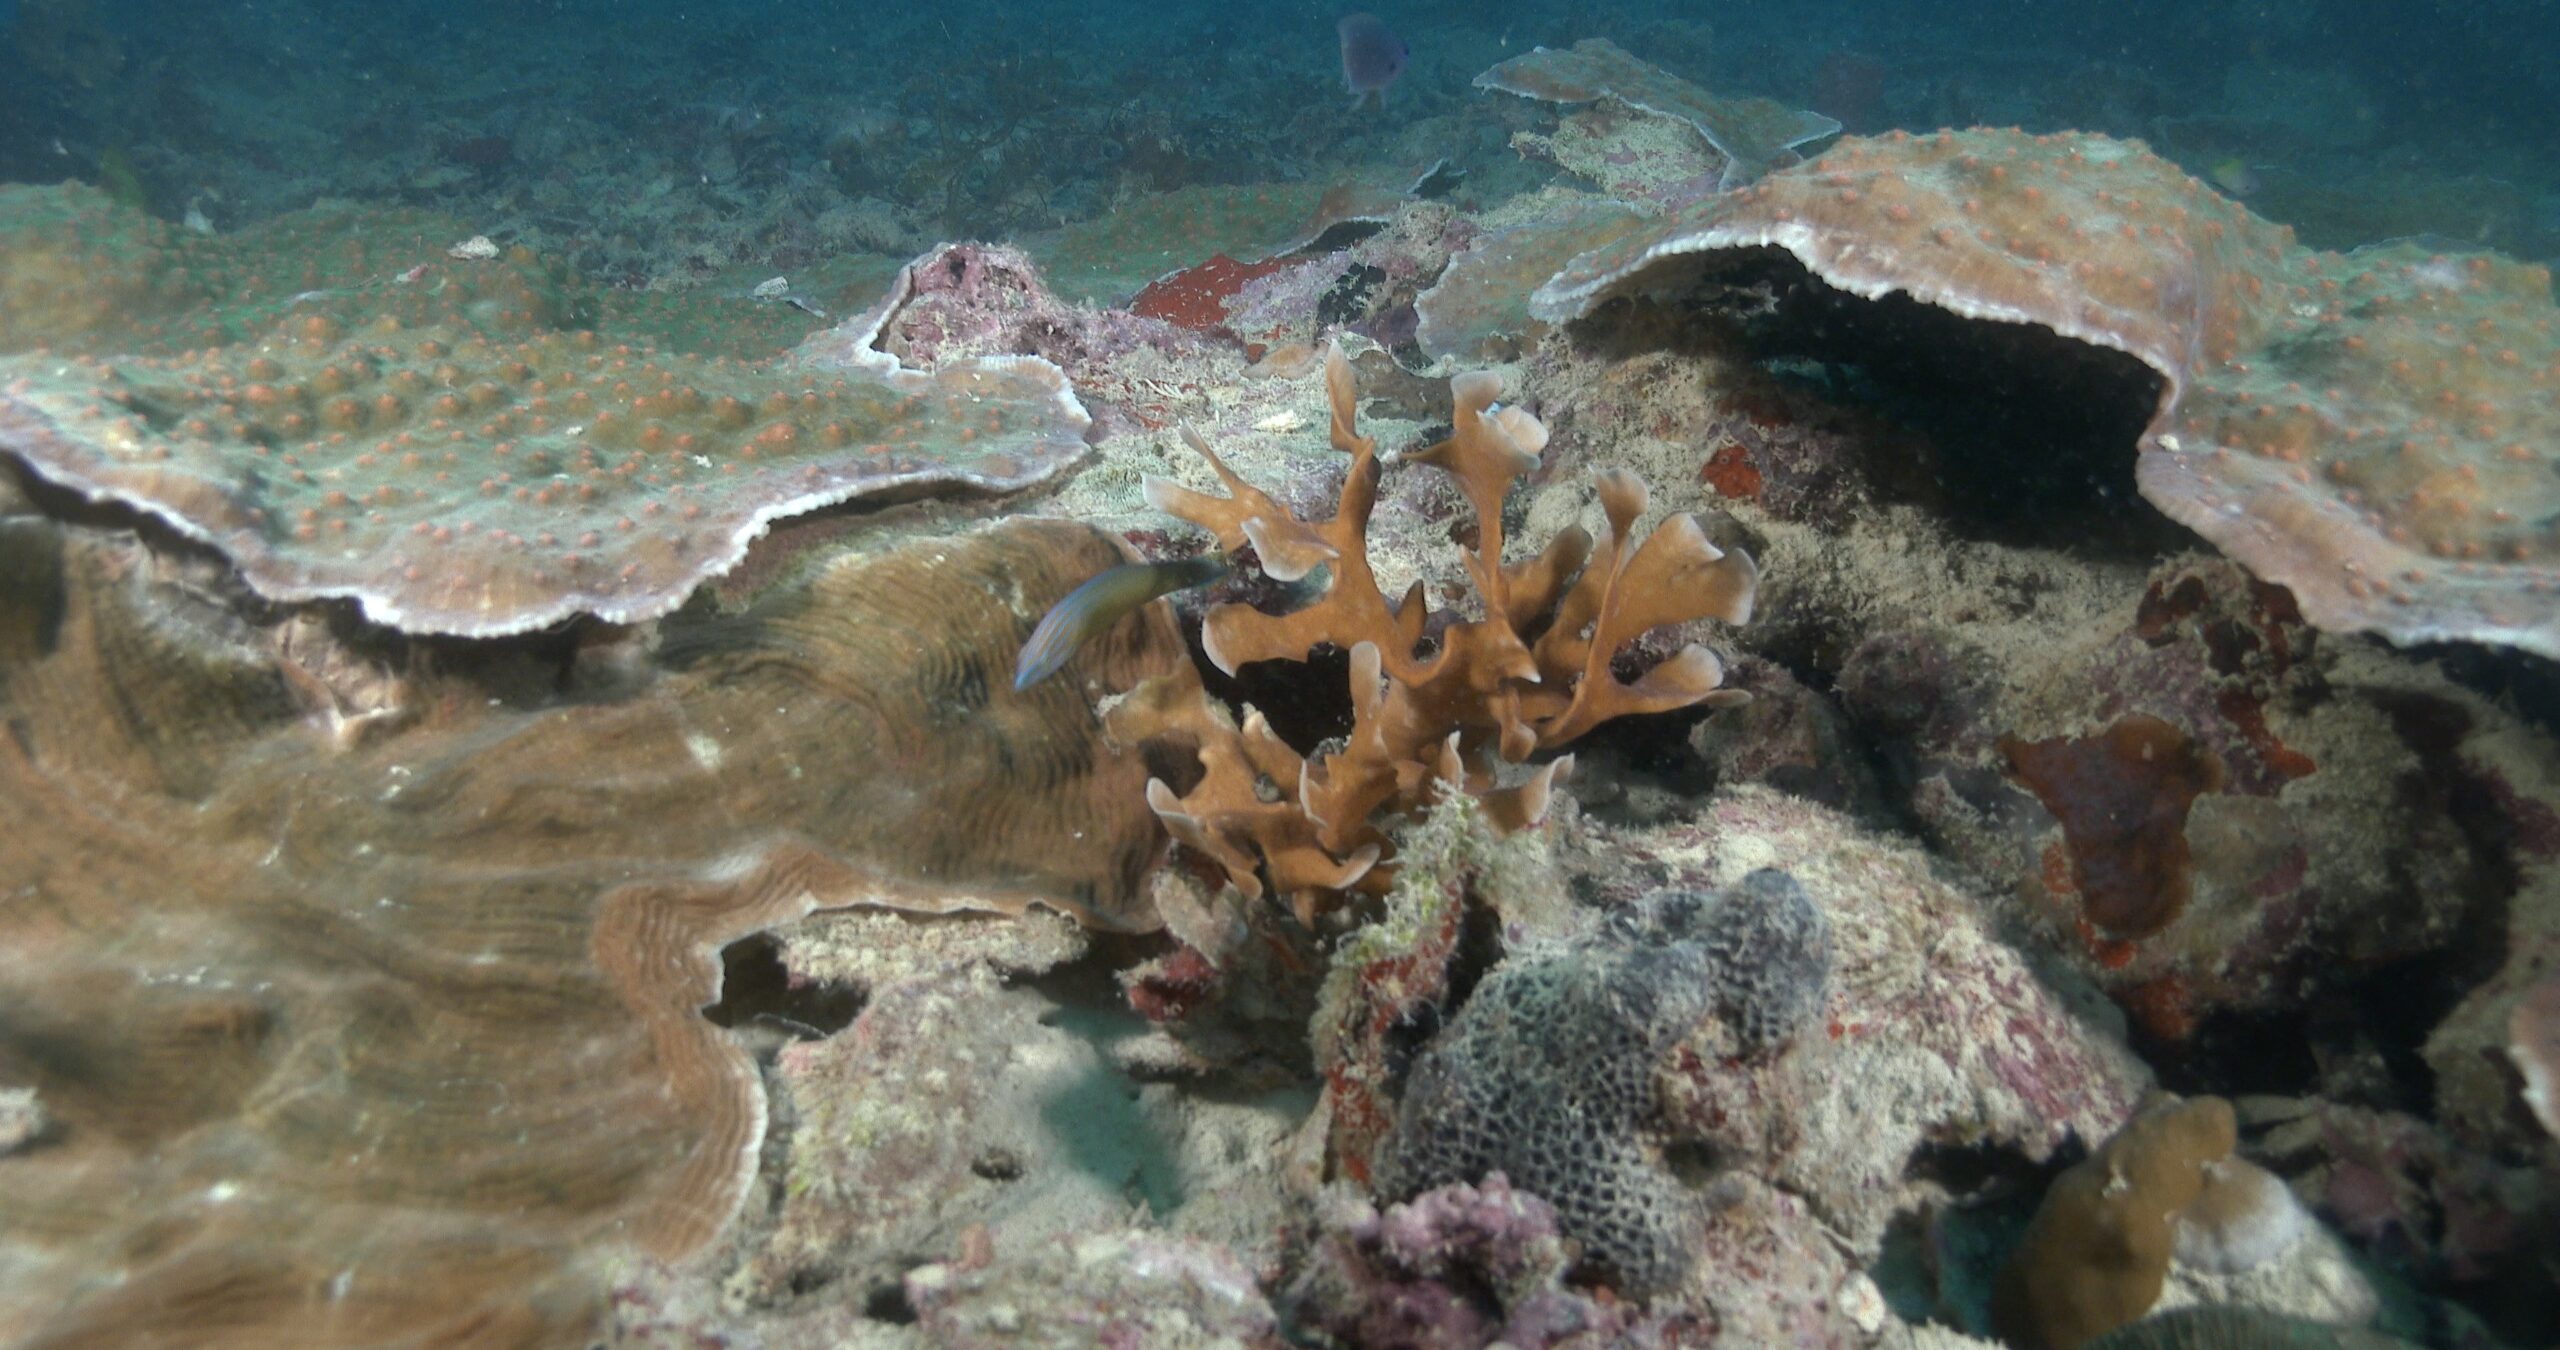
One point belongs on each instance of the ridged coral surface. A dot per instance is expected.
(1750, 132)
(419, 1023)
(2375, 430)
(447, 441)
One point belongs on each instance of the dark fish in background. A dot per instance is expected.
(2236, 177)
(1089, 609)
(1372, 57)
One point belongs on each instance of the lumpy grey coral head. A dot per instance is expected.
(1547, 1073)
(1772, 949)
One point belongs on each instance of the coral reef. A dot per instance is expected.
(1487, 696)
(1388, 979)
(1113, 258)
(1481, 300)
(964, 305)
(2166, 1215)
(2098, 1253)
(2505, 784)
(424, 1015)
(1937, 1033)
(1455, 1268)
(1547, 1073)
(761, 969)
(1750, 133)
(2260, 815)
(2122, 798)
(2371, 430)
(2533, 1032)
(487, 472)
(2241, 1329)
(1129, 1288)
(21, 1118)
(893, 1154)
(2405, 1191)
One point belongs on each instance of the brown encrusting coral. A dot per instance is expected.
(1435, 703)
(2122, 798)
(2099, 1250)
(404, 1043)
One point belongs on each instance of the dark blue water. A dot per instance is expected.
(652, 140)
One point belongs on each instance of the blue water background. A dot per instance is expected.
(251, 109)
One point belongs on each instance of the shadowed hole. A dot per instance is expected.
(757, 990)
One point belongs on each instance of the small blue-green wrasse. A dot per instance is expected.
(1090, 609)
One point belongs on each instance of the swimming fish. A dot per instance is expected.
(1107, 597)
(2233, 176)
(1372, 57)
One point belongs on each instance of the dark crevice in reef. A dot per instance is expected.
(1937, 1257)
(2030, 436)
(757, 991)
(2255, 1052)
(1306, 702)
(2520, 680)
(2360, 1042)
(888, 1303)
(1966, 1171)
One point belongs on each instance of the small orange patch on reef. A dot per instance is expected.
(2163, 1008)
(1731, 473)
(2122, 797)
